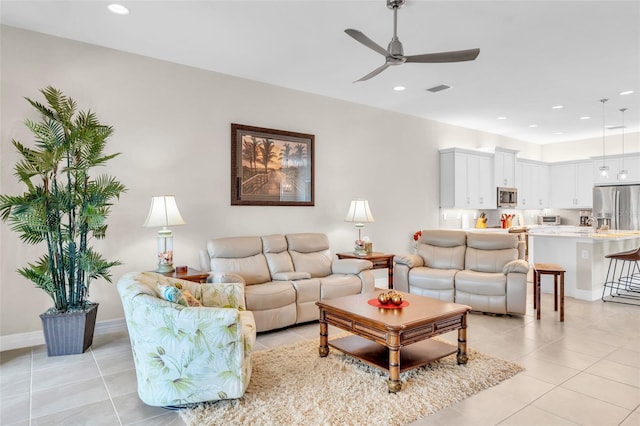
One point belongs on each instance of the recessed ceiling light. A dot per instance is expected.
(557, 107)
(502, 118)
(586, 117)
(559, 133)
(118, 9)
(399, 88)
(533, 125)
(626, 92)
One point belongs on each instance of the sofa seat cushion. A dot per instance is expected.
(481, 283)
(270, 295)
(432, 279)
(307, 290)
(339, 285)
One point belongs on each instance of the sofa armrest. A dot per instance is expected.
(350, 266)
(519, 266)
(410, 260)
(290, 276)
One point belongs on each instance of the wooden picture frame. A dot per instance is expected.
(287, 178)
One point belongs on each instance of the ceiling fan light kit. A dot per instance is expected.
(394, 53)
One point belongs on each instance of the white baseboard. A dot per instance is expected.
(35, 338)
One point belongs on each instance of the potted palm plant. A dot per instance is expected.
(63, 208)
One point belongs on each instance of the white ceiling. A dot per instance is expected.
(533, 54)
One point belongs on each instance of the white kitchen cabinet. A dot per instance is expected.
(466, 179)
(504, 164)
(571, 184)
(630, 162)
(532, 181)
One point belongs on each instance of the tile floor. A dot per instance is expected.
(585, 371)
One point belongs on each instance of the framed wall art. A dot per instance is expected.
(271, 167)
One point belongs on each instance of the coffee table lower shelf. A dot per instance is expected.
(412, 356)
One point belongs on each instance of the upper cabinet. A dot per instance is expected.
(532, 181)
(466, 179)
(504, 165)
(630, 163)
(571, 184)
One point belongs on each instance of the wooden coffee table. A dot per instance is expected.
(395, 340)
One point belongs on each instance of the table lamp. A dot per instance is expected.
(164, 212)
(359, 213)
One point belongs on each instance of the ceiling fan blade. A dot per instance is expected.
(454, 56)
(358, 36)
(374, 72)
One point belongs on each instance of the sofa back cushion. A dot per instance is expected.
(489, 252)
(275, 251)
(310, 253)
(443, 249)
(242, 255)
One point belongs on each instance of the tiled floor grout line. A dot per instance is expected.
(104, 382)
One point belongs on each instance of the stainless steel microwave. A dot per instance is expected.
(507, 197)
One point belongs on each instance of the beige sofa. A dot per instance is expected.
(285, 275)
(486, 271)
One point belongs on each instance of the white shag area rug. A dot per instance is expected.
(292, 385)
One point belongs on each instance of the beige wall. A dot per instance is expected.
(172, 126)
(587, 148)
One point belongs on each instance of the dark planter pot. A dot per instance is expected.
(69, 333)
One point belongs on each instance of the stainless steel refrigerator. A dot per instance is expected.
(617, 206)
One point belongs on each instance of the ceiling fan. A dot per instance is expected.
(394, 53)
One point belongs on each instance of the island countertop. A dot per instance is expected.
(582, 253)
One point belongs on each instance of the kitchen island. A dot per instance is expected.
(582, 253)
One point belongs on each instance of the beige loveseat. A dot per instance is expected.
(483, 270)
(285, 275)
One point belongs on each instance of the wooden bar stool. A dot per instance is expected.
(548, 269)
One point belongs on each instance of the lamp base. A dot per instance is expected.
(163, 268)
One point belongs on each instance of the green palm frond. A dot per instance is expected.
(63, 206)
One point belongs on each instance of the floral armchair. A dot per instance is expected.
(187, 354)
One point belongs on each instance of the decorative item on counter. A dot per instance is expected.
(506, 220)
(482, 220)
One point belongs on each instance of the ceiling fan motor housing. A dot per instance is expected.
(395, 48)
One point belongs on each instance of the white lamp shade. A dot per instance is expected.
(163, 212)
(359, 212)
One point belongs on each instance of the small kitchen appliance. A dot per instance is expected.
(584, 217)
(548, 219)
(507, 197)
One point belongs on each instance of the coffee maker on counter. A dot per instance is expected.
(584, 217)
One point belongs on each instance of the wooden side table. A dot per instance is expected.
(191, 275)
(548, 269)
(379, 260)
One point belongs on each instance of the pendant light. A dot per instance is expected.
(623, 173)
(604, 169)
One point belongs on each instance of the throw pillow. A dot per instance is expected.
(177, 295)
(172, 294)
(191, 299)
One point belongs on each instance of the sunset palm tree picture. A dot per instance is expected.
(271, 167)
